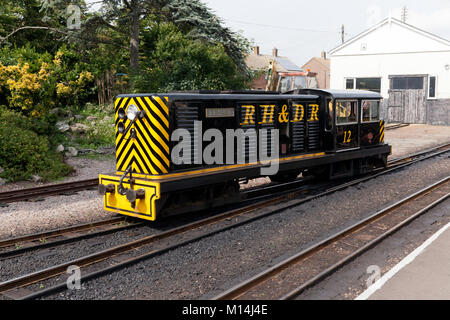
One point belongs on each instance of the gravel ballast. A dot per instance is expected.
(204, 268)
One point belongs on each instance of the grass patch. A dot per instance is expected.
(101, 131)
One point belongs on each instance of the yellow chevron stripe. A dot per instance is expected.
(133, 165)
(125, 142)
(153, 158)
(158, 112)
(121, 106)
(153, 132)
(161, 103)
(138, 157)
(140, 160)
(118, 136)
(121, 160)
(149, 132)
(154, 147)
(156, 136)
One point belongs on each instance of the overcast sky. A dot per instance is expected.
(302, 29)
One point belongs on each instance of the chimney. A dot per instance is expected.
(324, 55)
(256, 50)
(275, 52)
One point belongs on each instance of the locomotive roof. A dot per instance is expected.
(221, 96)
(344, 94)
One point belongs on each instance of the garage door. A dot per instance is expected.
(407, 99)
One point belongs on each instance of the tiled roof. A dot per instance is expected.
(324, 62)
(261, 61)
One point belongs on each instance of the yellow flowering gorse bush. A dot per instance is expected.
(34, 93)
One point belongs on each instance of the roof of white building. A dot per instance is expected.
(392, 36)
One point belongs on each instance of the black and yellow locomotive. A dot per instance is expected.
(318, 132)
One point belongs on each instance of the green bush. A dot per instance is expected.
(33, 83)
(101, 131)
(23, 152)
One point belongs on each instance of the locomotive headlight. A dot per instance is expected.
(121, 127)
(132, 112)
(121, 113)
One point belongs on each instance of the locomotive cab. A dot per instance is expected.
(352, 124)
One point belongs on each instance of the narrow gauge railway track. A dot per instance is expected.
(112, 259)
(20, 245)
(394, 163)
(54, 189)
(292, 276)
(70, 187)
(396, 126)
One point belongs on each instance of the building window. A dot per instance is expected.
(370, 110)
(350, 84)
(370, 84)
(346, 112)
(407, 83)
(432, 87)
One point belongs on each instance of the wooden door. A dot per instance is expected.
(407, 106)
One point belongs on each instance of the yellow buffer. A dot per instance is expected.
(143, 208)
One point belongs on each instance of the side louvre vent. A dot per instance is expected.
(298, 132)
(313, 127)
(185, 117)
(247, 117)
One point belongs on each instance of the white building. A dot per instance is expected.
(408, 66)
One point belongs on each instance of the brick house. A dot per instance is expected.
(260, 62)
(321, 67)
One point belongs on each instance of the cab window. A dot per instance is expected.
(285, 84)
(370, 110)
(346, 112)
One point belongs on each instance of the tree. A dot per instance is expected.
(119, 25)
(16, 19)
(175, 61)
(126, 17)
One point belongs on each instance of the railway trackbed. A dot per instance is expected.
(69, 188)
(396, 126)
(53, 279)
(290, 277)
(54, 189)
(20, 245)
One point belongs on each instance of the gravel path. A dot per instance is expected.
(204, 268)
(20, 218)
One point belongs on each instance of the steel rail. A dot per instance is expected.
(396, 126)
(123, 249)
(246, 286)
(23, 244)
(29, 193)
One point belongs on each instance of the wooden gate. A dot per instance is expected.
(407, 106)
